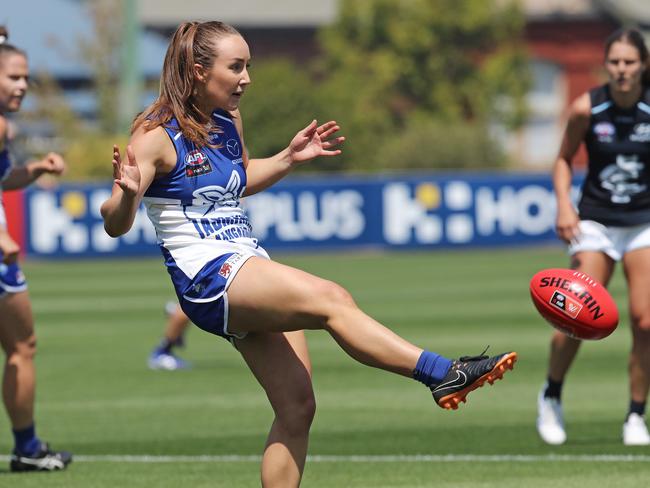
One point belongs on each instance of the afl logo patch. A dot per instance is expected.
(197, 164)
(233, 147)
(604, 131)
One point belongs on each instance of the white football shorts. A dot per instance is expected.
(613, 241)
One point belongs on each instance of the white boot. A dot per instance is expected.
(550, 420)
(635, 432)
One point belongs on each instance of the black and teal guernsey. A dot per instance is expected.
(616, 189)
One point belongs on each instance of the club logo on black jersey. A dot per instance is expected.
(641, 133)
(196, 164)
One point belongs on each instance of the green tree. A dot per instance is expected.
(278, 103)
(101, 53)
(86, 145)
(446, 63)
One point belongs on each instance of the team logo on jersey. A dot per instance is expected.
(567, 305)
(216, 194)
(233, 147)
(197, 164)
(225, 270)
(604, 131)
(623, 179)
(226, 267)
(641, 133)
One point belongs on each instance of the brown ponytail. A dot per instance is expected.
(192, 43)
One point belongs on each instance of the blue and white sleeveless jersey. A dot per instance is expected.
(5, 163)
(5, 168)
(197, 203)
(203, 232)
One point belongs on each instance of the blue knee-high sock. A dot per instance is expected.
(431, 368)
(26, 441)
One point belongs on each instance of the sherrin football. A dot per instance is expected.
(574, 303)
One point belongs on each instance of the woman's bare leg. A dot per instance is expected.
(637, 271)
(176, 325)
(564, 348)
(19, 345)
(268, 296)
(280, 362)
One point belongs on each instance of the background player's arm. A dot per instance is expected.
(311, 142)
(8, 247)
(578, 123)
(131, 178)
(22, 176)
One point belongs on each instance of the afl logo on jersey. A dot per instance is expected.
(604, 131)
(196, 164)
(233, 147)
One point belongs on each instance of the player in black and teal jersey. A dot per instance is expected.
(612, 221)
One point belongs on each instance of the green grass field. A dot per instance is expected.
(132, 427)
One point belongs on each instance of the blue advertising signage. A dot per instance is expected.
(424, 210)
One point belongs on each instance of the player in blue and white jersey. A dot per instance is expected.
(186, 161)
(16, 323)
(612, 221)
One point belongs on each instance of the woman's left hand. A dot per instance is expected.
(9, 250)
(52, 164)
(314, 141)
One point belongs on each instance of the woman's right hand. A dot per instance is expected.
(8, 248)
(315, 141)
(566, 224)
(126, 174)
(131, 179)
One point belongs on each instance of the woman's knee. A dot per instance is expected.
(296, 414)
(323, 302)
(640, 321)
(334, 296)
(23, 349)
(640, 331)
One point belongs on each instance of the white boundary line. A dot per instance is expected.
(416, 458)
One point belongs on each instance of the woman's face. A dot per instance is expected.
(624, 67)
(14, 81)
(223, 85)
